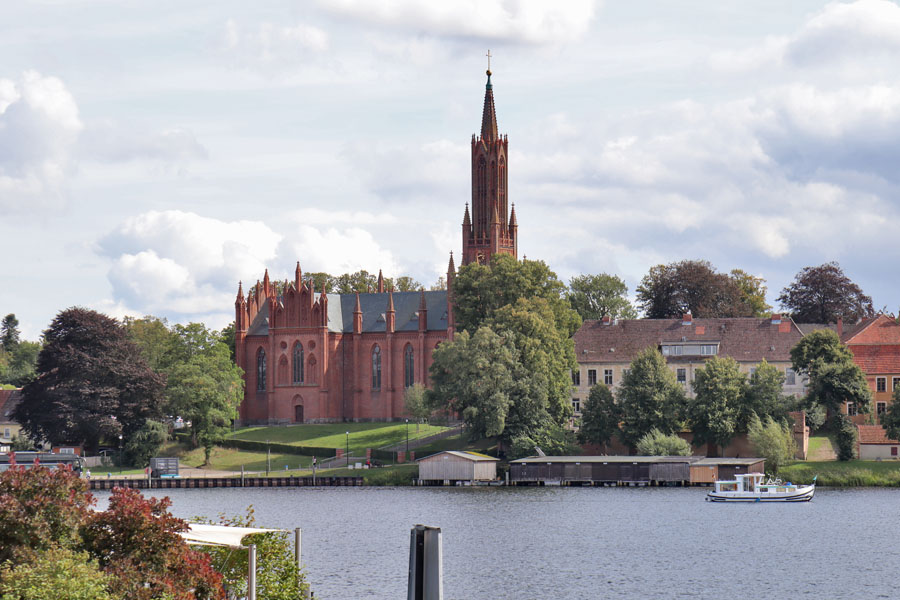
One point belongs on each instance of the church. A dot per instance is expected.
(311, 357)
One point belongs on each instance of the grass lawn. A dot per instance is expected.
(849, 473)
(821, 448)
(457, 442)
(333, 435)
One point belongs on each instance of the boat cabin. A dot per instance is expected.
(754, 483)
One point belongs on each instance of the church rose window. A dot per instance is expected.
(298, 363)
(376, 368)
(261, 370)
(409, 367)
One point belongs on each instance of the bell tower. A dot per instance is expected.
(491, 228)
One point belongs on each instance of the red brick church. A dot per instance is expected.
(313, 357)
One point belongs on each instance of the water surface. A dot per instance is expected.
(581, 543)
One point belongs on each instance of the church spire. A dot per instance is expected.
(380, 282)
(489, 117)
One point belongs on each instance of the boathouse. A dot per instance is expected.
(451, 466)
(627, 470)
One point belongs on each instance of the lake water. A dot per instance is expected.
(581, 543)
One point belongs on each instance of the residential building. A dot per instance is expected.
(875, 344)
(9, 429)
(605, 348)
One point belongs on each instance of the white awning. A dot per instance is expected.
(219, 535)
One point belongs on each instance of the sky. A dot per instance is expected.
(152, 155)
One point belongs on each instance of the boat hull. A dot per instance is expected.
(801, 495)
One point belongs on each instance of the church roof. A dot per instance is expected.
(374, 306)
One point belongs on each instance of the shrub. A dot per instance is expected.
(656, 443)
(845, 437)
(773, 441)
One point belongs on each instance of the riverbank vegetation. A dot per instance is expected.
(851, 473)
(334, 435)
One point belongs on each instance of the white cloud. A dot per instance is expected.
(269, 44)
(181, 262)
(39, 125)
(111, 142)
(338, 251)
(522, 21)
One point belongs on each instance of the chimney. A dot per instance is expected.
(840, 327)
(686, 319)
(776, 319)
(606, 320)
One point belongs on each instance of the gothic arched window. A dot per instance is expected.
(261, 369)
(409, 364)
(376, 368)
(298, 363)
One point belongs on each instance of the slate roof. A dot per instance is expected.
(744, 339)
(374, 307)
(9, 399)
(874, 434)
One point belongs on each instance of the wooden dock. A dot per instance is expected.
(223, 482)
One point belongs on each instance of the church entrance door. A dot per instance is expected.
(298, 413)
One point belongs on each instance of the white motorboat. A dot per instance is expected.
(753, 487)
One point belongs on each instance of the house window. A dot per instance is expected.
(681, 375)
(6, 432)
(67, 450)
(261, 370)
(709, 350)
(881, 384)
(298, 363)
(880, 408)
(790, 377)
(592, 377)
(376, 368)
(607, 376)
(576, 405)
(408, 367)
(895, 383)
(576, 377)
(851, 408)
(893, 450)
(752, 371)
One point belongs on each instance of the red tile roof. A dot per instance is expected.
(878, 330)
(874, 434)
(877, 359)
(744, 339)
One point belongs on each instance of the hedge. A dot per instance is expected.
(255, 446)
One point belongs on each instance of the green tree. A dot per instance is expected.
(833, 376)
(823, 294)
(407, 284)
(145, 443)
(480, 290)
(349, 283)
(416, 403)
(21, 364)
(650, 397)
(600, 417)
(552, 439)
(656, 443)
(764, 396)
(713, 412)
(544, 352)
(153, 337)
(475, 376)
(822, 345)
(92, 383)
(9, 332)
(321, 282)
(771, 440)
(226, 336)
(846, 436)
(278, 577)
(753, 292)
(690, 286)
(205, 388)
(595, 296)
(55, 574)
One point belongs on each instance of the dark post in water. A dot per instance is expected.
(426, 571)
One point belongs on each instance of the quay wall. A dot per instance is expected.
(224, 482)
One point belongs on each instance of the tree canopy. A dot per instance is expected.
(9, 332)
(600, 417)
(480, 290)
(823, 294)
(92, 383)
(694, 286)
(595, 296)
(714, 411)
(650, 397)
(833, 376)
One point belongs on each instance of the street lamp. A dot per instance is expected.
(407, 439)
(348, 448)
(120, 453)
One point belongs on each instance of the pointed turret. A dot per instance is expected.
(467, 221)
(489, 117)
(298, 276)
(357, 316)
(423, 312)
(380, 282)
(266, 283)
(512, 217)
(240, 294)
(389, 313)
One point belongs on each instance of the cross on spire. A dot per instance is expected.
(489, 58)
